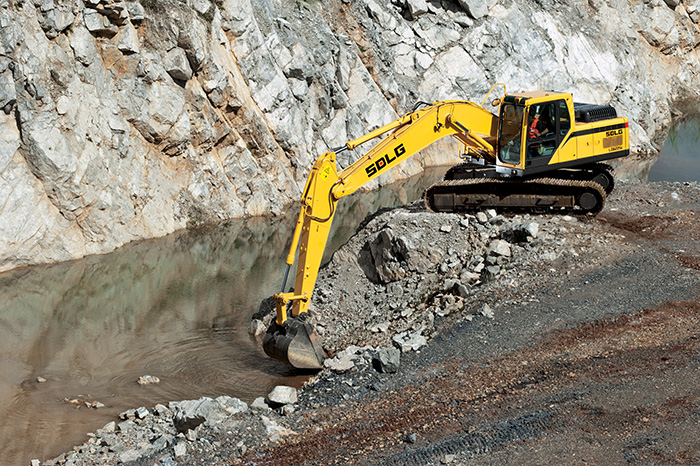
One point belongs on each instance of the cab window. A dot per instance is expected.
(541, 130)
(564, 119)
(510, 133)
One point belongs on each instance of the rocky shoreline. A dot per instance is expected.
(406, 277)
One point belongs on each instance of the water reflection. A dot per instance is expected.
(177, 308)
(679, 159)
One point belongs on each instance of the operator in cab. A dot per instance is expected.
(536, 128)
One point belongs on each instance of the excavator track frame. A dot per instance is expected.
(600, 173)
(557, 195)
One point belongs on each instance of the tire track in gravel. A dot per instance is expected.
(482, 441)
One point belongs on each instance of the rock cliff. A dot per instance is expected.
(125, 120)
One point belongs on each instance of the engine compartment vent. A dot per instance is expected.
(588, 113)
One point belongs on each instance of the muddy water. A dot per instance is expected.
(679, 159)
(177, 308)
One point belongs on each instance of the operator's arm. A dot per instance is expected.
(540, 129)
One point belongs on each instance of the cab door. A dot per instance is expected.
(548, 124)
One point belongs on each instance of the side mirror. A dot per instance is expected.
(496, 102)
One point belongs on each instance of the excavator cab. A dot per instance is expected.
(543, 131)
(532, 128)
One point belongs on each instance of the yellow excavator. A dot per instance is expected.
(541, 152)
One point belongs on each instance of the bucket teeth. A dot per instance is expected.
(295, 343)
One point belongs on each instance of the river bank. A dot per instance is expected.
(504, 327)
(177, 308)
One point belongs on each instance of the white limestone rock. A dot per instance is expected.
(409, 341)
(8, 94)
(475, 8)
(283, 395)
(176, 64)
(128, 39)
(499, 247)
(417, 7)
(98, 24)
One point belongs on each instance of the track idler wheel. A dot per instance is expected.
(295, 343)
(592, 199)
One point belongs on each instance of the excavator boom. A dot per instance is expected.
(288, 339)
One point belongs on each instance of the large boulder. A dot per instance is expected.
(189, 414)
(388, 257)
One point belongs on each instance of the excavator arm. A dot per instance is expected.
(291, 338)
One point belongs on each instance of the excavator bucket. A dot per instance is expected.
(295, 343)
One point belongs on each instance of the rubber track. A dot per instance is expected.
(480, 441)
(536, 184)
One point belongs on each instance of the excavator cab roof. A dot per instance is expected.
(522, 97)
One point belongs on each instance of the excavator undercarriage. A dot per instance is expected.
(468, 188)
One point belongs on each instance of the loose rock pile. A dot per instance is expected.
(169, 432)
(406, 269)
(409, 267)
